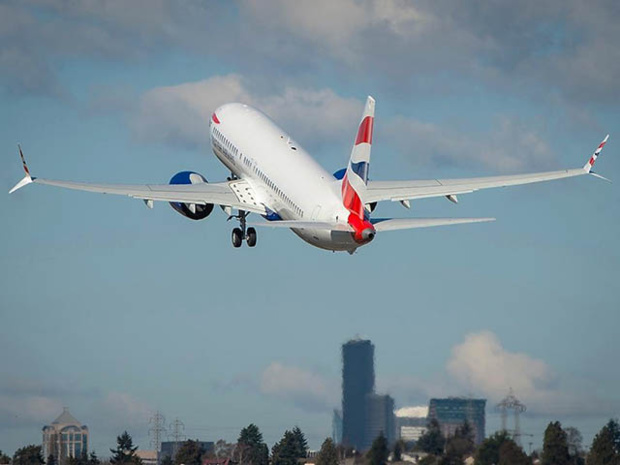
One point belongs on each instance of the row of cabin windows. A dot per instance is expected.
(278, 191)
(225, 142)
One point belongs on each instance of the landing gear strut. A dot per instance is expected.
(239, 234)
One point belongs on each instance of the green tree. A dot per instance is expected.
(301, 443)
(328, 455)
(167, 460)
(459, 445)
(190, 453)
(488, 452)
(286, 451)
(125, 452)
(432, 441)
(379, 452)
(51, 460)
(511, 454)
(223, 449)
(555, 446)
(605, 448)
(251, 450)
(93, 459)
(4, 459)
(28, 455)
(82, 459)
(574, 440)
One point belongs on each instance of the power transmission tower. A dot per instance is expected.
(510, 402)
(158, 422)
(176, 431)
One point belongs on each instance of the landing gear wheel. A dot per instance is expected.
(237, 238)
(251, 237)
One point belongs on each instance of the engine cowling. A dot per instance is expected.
(193, 211)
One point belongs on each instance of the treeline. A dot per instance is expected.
(561, 446)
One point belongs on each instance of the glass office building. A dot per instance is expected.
(65, 437)
(358, 381)
(454, 411)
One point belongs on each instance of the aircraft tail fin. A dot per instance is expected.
(356, 176)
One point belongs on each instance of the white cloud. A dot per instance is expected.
(337, 27)
(420, 411)
(126, 409)
(510, 147)
(481, 367)
(482, 364)
(28, 409)
(29, 403)
(179, 115)
(306, 389)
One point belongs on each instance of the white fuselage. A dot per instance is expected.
(287, 180)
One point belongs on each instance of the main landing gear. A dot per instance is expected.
(239, 234)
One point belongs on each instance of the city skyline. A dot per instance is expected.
(117, 311)
(362, 358)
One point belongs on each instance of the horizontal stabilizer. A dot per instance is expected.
(294, 224)
(392, 224)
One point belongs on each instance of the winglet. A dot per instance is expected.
(588, 166)
(27, 179)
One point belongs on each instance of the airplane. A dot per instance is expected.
(273, 176)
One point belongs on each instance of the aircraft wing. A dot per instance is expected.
(377, 191)
(236, 194)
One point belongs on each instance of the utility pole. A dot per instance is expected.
(510, 402)
(176, 432)
(158, 422)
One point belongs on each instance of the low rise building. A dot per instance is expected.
(453, 412)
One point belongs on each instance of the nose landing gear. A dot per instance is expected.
(239, 234)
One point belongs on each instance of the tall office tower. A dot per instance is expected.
(65, 437)
(454, 411)
(379, 419)
(358, 380)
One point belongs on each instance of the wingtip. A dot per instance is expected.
(28, 178)
(24, 164)
(25, 181)
(588, 166)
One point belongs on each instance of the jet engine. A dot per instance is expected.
(193, 211)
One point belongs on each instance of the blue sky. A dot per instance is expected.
(116, 311)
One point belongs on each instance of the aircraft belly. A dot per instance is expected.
(328, 240)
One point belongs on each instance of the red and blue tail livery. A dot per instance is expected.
(356, 177)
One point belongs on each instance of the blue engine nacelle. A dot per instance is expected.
(193, 211)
